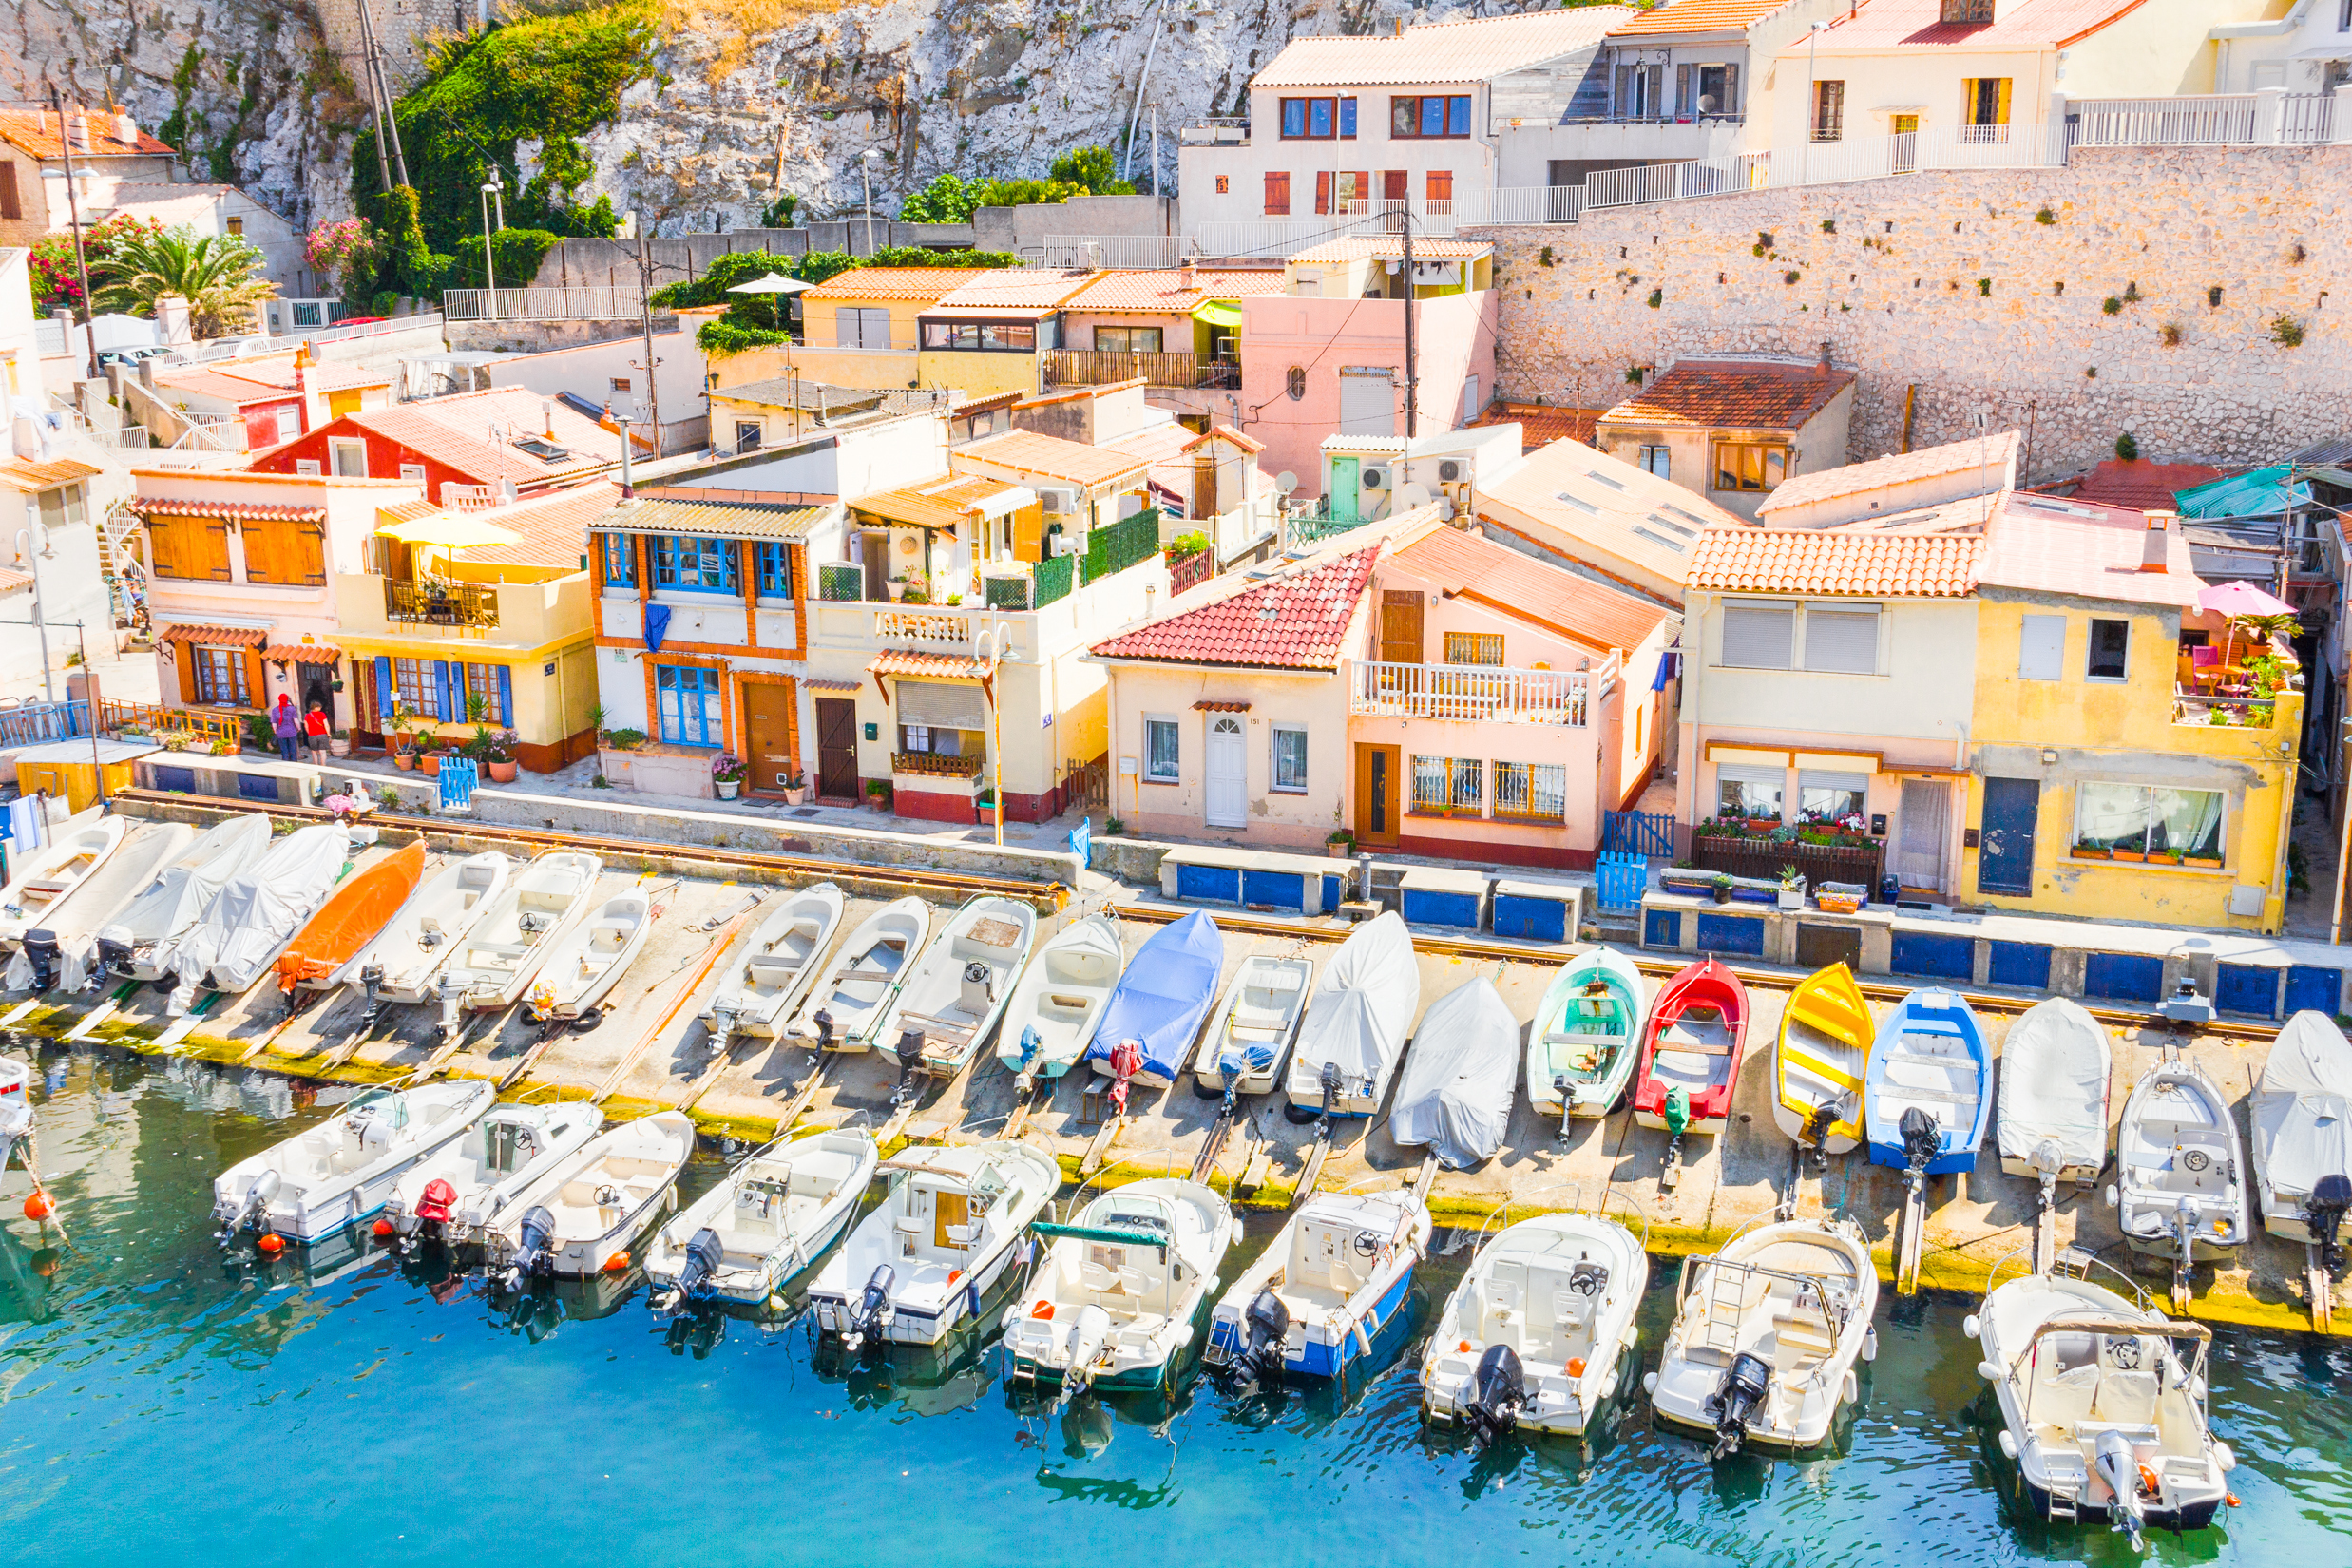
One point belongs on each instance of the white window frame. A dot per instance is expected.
(337, 447)
(1756, 774)
(1176, 727)
(2091, 650)
(1274, 758)
(307, 467)
(412, 470)
(1656, 459)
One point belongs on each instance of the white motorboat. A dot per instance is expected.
(1357, 1024)
(584, 962)
(1118, 1297)
(1321, 1296)
(775, 1213)
(955, 992)
(255, 914)
(2180, 1185)
(1249, 1038)
(578, 1218)
(455, 1195)
(398, 968)
(43, 882)
(345, 1168)
(1535, 1336)
(492, 965)
(2303, 1156)
(1056, 1003)
(2054, 1070)
(177, 895)
(15, 1105)
(1766, 1335)
(62, 949)
(759, 990)
(849, 1000)
(920, 1264)
(1454, 1094)
(2103, 1404)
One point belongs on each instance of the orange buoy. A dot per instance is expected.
(1043, 1310)
(616, 1263)
(38, 1205)
(1576, 1366)
(954, 1274)
(1463, 1347)
(383, 1227)
(2231, 1497)
(270, 1243)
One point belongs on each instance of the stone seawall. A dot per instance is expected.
(1954, 297)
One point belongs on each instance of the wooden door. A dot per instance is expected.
(1400, 626)
(836, 748)
(1379, 794)
(1392, 183)
(1204, 488)
(768, 751)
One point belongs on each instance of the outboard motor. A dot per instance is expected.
(2048, 1159)
(2323, 1213)
(823, 1019)
(434, 1207)
(1030, 1045)
(871, 1316)
(1267, 1331)
(1502, 1386)
(1816, 1130)
(371, 986)
(255, 1209)
(2110, 1456)
(1086, 1339)
(1331, 1082)
(1922, 1139)
(1234, 1065)
(40, 948)
(114, 952)
(910, 1054)
(534, 1254)
(451, 1019)
(704, 1255)
(1736, 1401)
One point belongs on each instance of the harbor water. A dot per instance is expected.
(157, 1399)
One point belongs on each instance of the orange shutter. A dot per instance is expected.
(212, 550)
(254, 698)
(185, 654)
(1322, 191)
(163, 548)
(1029, 533)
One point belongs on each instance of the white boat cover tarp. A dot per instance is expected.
(1364, 1006)
(2302, 1105)
(259, 910)
(180, 896)
(2053, 1072)
(1455, 1094)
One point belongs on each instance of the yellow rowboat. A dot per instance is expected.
(1817, 1064)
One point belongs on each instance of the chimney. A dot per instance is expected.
(2156, 548)
(126, 126)
(1825, 366)
(628, 489)
(546, 417)
(78, 130)
(1191, 272)
(172, 316)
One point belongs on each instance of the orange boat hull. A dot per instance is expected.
(350, 919)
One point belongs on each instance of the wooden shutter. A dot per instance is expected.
(253, 680)
(166, 546)
(2000, 106)
(1684, 103)
(1400, 626)
(212, 544)
(184, 654)
(1278, 193)
(1322, 191)
(445, 693)
(2042, 648)
(1364, 185)
(308, 552)
(263, 555)
(1968, 101)
(1204, 488)
(11, 204)
(1623, 97)
(1731, 91)
(1029, 533)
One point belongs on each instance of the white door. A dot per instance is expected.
(1919, 836)
(1229, 774)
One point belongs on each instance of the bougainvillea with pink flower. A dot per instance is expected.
(349, 249)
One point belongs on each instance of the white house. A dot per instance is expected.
(2308, 50)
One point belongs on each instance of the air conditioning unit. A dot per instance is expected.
(1060, 500)
(1449, 471)
(1375, 479)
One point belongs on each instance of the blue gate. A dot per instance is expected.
(1638, 833)
(1620, 880)
(458, 775)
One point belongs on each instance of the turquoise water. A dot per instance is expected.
(156, 1400)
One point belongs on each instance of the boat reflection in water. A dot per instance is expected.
(28, 1275)
(537, 1312)
(922, 1380)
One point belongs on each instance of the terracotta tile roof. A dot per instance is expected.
(1026, 451)
(1391, 247)
(1993, 453)
(1227, 434)
(554, 526)
(1014, 288)
(714, 519)
(237, 391)
(243, 511)
(946, 501)
(1541, 424)
(1584, 502)
(1470, 50)
(927, 665)
(303, 653)
(1212, 705)
(919, 283)
(1807, 560)
(12, 580)
(457, 432)
(1165, 290)
(2140, 484)
(214, 637)
(36, 131)
(29, 473)
(1918, 24)
(1504, 579)
(1732, 394)
(1296, 621)
(1698, 16)
(2044, 544)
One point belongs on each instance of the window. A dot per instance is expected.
(1297, 382)
(1278, 193)
(237, 226)
(1657, 458)
(1416, 118)
(1759, 636)
(1826, 797)
(915, 737)
(1160, 750)
(1743, 790)
(11, 204)
(775, 570)
(694, 565)
(983, 336)
(942, 741)
(1441, 185)
(1985, 108)
(1290, 759)
(619, 386)
(2041, 647)
(1641, 92)
(1224, 185)
(1318, 119)
(620, 553)
(285, 552)
(1842, 638)
(221, 675)
(418, 685)
(415, 472)
(1449, 784)
(1965, 10)
(63, 506)
(1749, 466)
(1128, 339)
(2148, 821)
(487, 684)
(1534, 789)
(2110, 645)
(687, 698)
(1705, 90)
(1828, 111)
(861, 326)
(1473, 647)
(350, 458)
(747, 433)
(307, 466)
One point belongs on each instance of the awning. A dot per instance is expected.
(1206, 706)
(213, 637)
(303, 653)
(828, 683)
(941, 705)
(1216, 313)
(450, 530)
(926, 666)
(239, 511)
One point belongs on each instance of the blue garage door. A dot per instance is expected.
(1730, 934)
(1662, 929)
(2025, 964)
(2246, 988)
(1934, 955)
(1278, 889)
(1531, 919)
(2123, 977)
(2319, 989)
(1217, 884)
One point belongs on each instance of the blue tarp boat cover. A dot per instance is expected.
(1168, 988)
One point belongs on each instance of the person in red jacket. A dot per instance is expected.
(315, 732)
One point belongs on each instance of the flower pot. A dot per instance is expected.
(338, 748)
(1344, 849)
(502, 773)
(431, 764)
(2082, 853)
(728, 788)
(1722, 893)
(2211, 865)
(879, 802)
(1793, 898)
(793, 797)
(405, 761)
(2127, 855)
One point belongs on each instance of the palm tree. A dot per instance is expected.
(215, 273)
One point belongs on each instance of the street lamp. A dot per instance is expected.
(491, 189)
(989, 643)
(865, 173)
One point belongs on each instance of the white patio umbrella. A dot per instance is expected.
(774, 284)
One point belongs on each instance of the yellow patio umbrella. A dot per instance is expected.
(450, 530)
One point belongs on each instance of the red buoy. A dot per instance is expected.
(618, 1263)
(383, 1228)
(270, 1243)
(38, 1206)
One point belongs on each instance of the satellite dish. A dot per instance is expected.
(1414, 494)
(1287, 481)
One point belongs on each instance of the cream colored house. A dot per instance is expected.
(1733, 431)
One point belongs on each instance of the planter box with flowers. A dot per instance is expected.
(727, 774)
(1818, 851)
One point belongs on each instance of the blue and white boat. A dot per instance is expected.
(1317, 1300)
(1161, 1000)
(1929, 1059)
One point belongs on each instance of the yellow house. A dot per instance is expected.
(2121, 771)
(859, 330)
(991, 334)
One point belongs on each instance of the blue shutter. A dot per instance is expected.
(441, 688)
(385, 690)
(505, 696)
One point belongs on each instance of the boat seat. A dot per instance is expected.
(1696, 1036)
(2126, 1399)
(540, 900)
(821, 1176)
(2059, 1401)
(610, 935)
(1803, 1333)
(772, 970)
(1247, 1017)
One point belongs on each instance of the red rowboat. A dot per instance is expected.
(350, 919)
(1697, 1028)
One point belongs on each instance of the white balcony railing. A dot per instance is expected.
(924, 630)
(1479, 693)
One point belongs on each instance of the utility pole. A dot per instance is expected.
(1412, 360)
(73, 215)
(375, 96)
(645, 308)
(392, 105)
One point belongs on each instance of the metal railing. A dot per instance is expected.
(2221, 712)
(556, 304)
(1106, 367)
(2216, 119)
(2307, 118)
(1191, 571)
(433, 602)
(1115, 250)
(157, 719)
(29, 724)
(1470, 692)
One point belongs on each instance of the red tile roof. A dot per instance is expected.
(554, 526)
(2140, 484)
(1905, 566)
(1468, 50)
(1541, 424)
(243, 511)
(1732, 394)
(35, 132)
(1166, 290)
(1698, 16)
(214, 637)
(1391, 247)
(31, 473)
(928, 665)
(1227, 434)
(303, 653)
(1296, 621)
(1919, 24)
(1506, 581)
(472, 434)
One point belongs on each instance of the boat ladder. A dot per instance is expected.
(1726, 1299)
(2063, 1506)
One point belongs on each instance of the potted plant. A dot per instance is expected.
(224, 748)
(727, 774)
(499, 762)
(625, 740)
(340, 743)
(795, 786)
(1722, 890)
(2119, 852)
(878, 794)
(429, 757)
(2088, 850)
(1792, 889)
(2207, 862)
(1340, 844)
(1113, 826)
(595, 720)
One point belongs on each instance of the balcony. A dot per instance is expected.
(1216, 131)
(1478, 692)
(1106, 367)
(430, 601)
(935, 765)
(507, 614)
